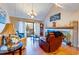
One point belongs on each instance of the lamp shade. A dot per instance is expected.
(8, 29)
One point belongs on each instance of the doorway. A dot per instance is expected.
(32, 29)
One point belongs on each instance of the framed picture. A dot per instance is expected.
(55, 17)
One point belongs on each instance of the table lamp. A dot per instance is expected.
(8, 30)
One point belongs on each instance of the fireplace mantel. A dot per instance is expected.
(59, 27)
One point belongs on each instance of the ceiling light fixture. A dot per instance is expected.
(32, 13)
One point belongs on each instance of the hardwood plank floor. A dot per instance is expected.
(33, 48)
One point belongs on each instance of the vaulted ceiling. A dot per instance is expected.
(42, 9)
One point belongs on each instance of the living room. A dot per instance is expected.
(33, 22)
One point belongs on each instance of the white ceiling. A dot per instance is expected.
(42, 9)
(71, 7)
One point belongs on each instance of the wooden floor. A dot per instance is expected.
(34, 49)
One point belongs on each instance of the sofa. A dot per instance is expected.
(52, 42)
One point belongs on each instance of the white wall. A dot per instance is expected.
(77, 17)
(66, 18)
(78, 34)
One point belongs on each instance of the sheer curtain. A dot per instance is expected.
(37, 29)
